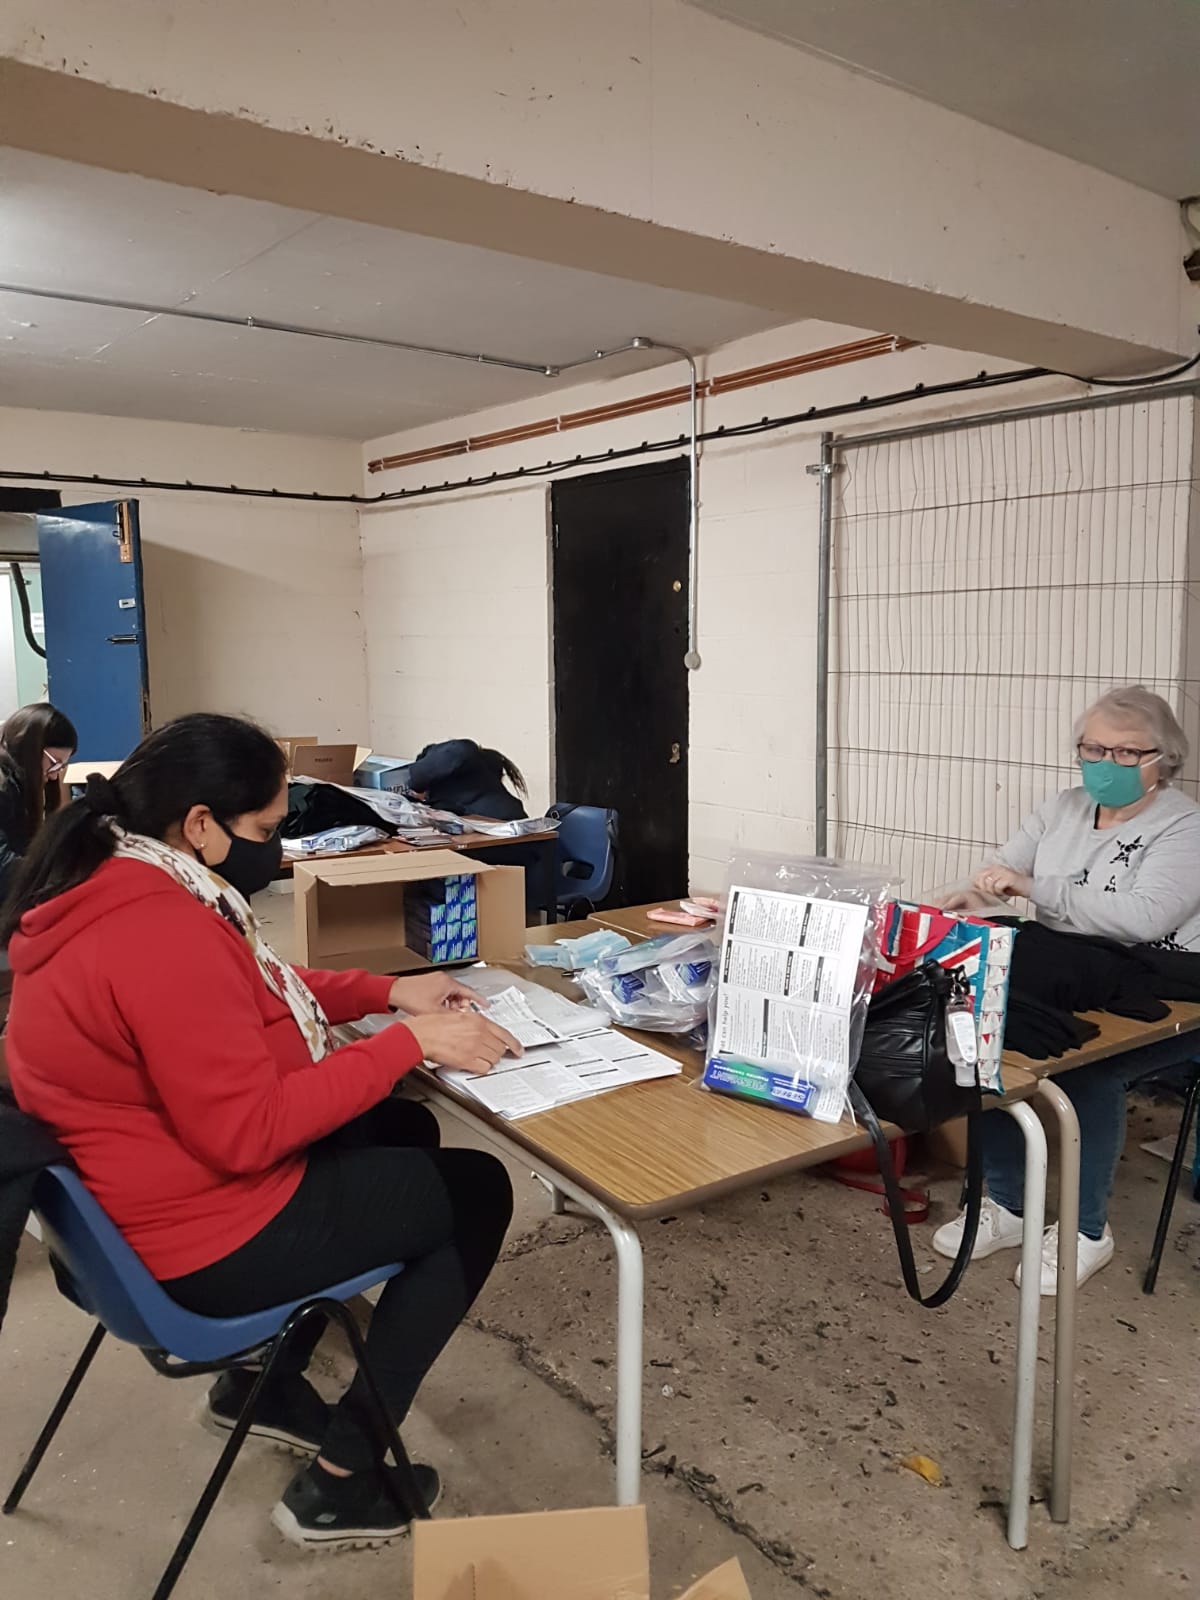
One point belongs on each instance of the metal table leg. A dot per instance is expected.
(630, 1301)
(1027, 1322)
(630, 1319)
(558, 1200)
(1064, 1323)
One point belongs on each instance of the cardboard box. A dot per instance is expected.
(441, 919)
(350, 912)
(549, 1555)
(947, 1144)
(291, 745)
(330, 763)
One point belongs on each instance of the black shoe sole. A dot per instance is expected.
(331, 1540)
(212, 1422)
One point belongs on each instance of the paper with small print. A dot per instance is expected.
(554, 1075)
(569, 1054)
(511, 1011)
(786, 987)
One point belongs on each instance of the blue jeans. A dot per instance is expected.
(1098, 1094)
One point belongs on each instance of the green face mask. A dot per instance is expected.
(1112, 785)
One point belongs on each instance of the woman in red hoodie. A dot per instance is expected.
(194, 1078)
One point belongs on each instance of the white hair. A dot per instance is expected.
(1150, 711)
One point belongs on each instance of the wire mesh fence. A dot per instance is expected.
(987, 584)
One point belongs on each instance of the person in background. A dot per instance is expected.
(36, 744)
(1118, 857)
(195, 1080)
(460, 776)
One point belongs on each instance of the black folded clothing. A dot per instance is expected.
(1040, 1031)
(1077, 972)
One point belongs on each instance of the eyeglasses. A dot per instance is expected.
(53, 768)
(1124, 755)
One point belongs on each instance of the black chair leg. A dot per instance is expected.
(229, 1453)
(95, 1339)
(403, 1486)
(1168, 1204)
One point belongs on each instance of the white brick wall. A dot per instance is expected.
(456, 616)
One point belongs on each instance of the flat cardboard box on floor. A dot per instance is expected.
(350, 910)
(549, 1555)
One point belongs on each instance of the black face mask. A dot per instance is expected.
(249, 867)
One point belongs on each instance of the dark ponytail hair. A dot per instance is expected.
(24, 740)
(507, 769)
(224, 763)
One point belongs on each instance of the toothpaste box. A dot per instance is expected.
(440, 920)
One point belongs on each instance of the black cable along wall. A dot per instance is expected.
(814, 414)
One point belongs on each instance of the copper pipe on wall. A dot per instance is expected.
(745, 378)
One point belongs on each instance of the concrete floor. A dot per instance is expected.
(788, 1375)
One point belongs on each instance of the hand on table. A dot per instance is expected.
(463, 1040)
(1003, 882)
(425, 993)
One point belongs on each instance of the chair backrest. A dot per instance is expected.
(96, 1268)
(586, 834)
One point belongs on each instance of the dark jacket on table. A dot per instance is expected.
(456, 776)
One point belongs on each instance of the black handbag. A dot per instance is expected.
(904, 1075)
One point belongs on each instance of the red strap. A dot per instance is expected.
(916, 1201)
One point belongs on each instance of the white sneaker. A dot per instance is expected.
(1093, 1254)
(998, 1230)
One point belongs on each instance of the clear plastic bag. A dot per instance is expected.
(663, 985)
(795, 976)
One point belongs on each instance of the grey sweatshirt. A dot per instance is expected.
(1137, 882)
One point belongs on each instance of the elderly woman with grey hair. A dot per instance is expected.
(1118, 857)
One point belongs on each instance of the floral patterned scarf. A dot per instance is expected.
(205, 885)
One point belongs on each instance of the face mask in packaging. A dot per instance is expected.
(573, 954)
(663, 984)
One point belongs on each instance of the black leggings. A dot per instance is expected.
(377, 1191)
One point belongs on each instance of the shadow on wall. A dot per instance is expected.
(223, 639)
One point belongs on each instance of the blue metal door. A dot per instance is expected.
(91, 562)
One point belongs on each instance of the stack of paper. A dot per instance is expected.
(567, 1057)
(555, 1074)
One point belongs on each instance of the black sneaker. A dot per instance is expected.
(290, 1412)
(321, 1512)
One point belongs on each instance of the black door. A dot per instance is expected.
(620, 685)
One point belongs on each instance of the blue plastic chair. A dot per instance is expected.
(100, 1273)
(587, 852)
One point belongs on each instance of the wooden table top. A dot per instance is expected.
(634, 921)
(552, 932)
(1117, 1036)
(653, 1148)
